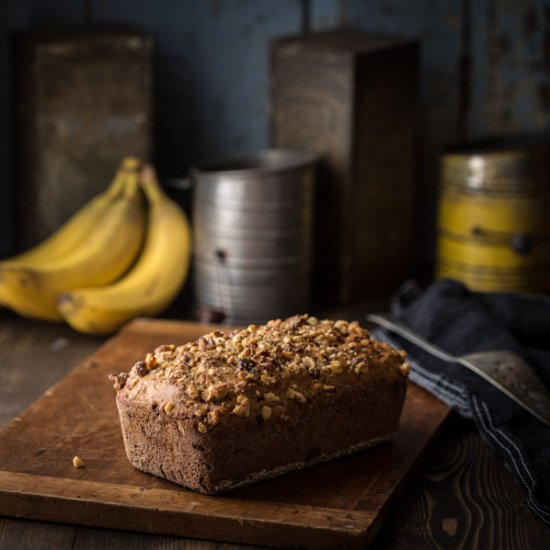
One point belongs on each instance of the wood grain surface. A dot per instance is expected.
(463, 496)
(341, 503)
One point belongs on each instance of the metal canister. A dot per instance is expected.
(494, 218)
(253, 234)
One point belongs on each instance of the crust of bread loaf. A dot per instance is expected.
(244, 450)
(280, 470)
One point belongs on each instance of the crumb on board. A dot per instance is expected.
(78, 462)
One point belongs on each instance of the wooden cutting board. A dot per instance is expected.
(334, 505)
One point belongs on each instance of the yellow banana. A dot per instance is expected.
(103, 256)
(72, 232)
(151, 284)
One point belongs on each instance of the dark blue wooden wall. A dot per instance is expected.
(485, 70)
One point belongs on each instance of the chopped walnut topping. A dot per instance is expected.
(360, 367)
(216, 392)
(336, 367)
(203, 428)
(405, 368)
(242, 408)
(165, 347)
(342, 326)
(270, 397)
(260, 368)
(192, 391)
(168, 407)
(266, 412)
(151, 361)
(213, 417)
(119, 380)
(296, 395)
(181, 426)
(201, 410)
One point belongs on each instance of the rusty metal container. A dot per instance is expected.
(82, 101)
(493, 219)
(351, 97)
(253, 235)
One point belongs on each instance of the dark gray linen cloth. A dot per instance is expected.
(460, 322)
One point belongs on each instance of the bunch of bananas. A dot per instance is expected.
(124, 254)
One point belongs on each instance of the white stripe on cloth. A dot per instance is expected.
(452, 394)
(512, 451)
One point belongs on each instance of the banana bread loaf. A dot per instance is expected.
(231, 409)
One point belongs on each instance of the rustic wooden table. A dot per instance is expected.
(463, 497)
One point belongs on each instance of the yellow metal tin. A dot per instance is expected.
(494, 219)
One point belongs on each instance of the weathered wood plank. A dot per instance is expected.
(338, 503)
(34, 355)
(19, 534)
(92, 539)
(464, 499)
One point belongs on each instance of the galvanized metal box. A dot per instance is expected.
(82, 101)
(352, 97)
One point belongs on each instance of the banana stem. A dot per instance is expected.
(116, 186)
(130, 164)
(131, 184)
(150, 185)
(128, 168)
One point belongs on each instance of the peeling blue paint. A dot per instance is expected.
(511, 85)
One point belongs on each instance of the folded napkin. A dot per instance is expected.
(460, 322)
